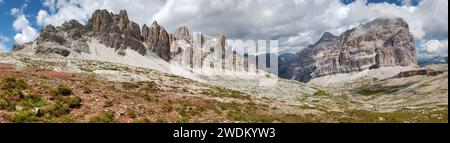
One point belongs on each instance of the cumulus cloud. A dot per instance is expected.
(295, 23)
(60, 11)
(435, 47)
(26, 33)
(42, 14)
(298, 23)
(3, 40)
(433, 15)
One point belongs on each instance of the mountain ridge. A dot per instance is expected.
(379, 43)
(116, 31)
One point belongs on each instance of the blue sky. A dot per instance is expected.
(7, 19)
(294, 36)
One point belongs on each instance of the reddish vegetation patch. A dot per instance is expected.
(49, 73)
(9, 73)
(7, 70)
(6, 66)
(55, 74)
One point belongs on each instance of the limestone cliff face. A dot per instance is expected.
(157, 40)
(112, 30)
(118, 32)
(375, 44)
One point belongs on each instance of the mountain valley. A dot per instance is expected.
(111, 70)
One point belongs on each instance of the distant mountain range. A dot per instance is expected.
(433, 60)
(118, 71)
(113, 37)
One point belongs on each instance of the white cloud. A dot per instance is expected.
(1, 1)
(42, 14)
(288, 21)
(2, 48)
(26, 33)
(433, 15)
(295, 23)
(140, 11)
(3, 40)
(435, 47)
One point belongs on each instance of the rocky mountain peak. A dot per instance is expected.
(155, 23)
(115, 31)
(50, 28)
(145, 31)
(101, 21)
(379, 43)
(386, 22)
(182, 33)
(122, 20)
(327, 37)
(50, 34)
(71, 25)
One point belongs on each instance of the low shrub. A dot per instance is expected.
(64, 90)
(25, 116)
(11, 83)
(102, 118)
(321, 93)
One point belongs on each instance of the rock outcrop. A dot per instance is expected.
(182, 33)
(158, 40)
(118, 32)
(425, 72)
(50, 34)
(375, 44)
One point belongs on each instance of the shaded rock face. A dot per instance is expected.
(379, 43)
(182, 33)
(101, 21)
(74, 29)
(47, 49)
(158, 40)
(111, 30)
(50, 34)
(116, 31)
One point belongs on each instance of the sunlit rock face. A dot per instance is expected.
(375, 44)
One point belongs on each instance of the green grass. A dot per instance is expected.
(167, 107)
(129, 86)
(102, 118)
(11, 83)
(57, 109)
(33, 107)
(108, 103)
(144, 120)
(151, 87)
(144, 96)
(429, 115)
(25, 116)
(321, 93)
(61, 90)
(378, 89)
(225, 93)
